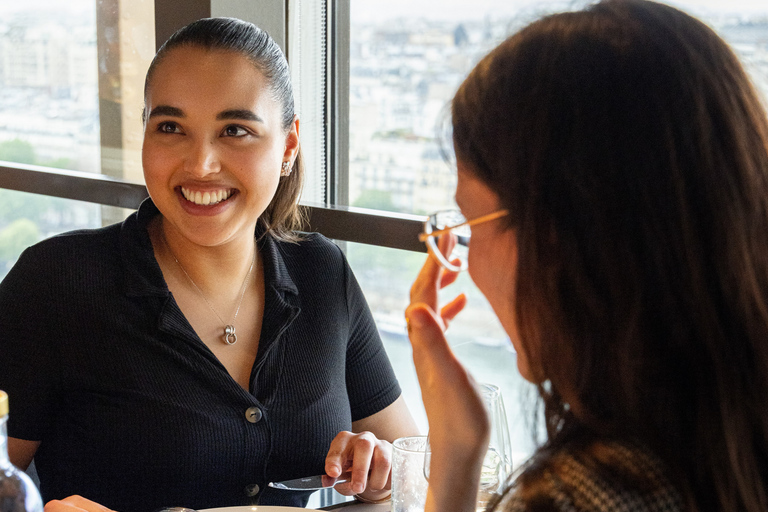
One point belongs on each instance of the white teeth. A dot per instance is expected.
(205, 198)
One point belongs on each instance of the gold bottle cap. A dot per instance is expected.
(3, 403)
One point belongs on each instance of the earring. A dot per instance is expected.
(286, 169)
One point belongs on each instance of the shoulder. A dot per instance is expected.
(308, 243)
(74, 247)
(603, 475)
(312, 247)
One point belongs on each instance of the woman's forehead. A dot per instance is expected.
(199, 77)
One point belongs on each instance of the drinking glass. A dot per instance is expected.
(409, 486)
(497, 463)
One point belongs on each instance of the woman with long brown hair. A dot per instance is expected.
(627, 153)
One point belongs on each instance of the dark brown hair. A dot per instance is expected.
(632, 152)
(283, 215)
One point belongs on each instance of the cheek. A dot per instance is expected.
(492, 266)
(154, 159)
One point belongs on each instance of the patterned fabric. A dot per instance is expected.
(604, 477)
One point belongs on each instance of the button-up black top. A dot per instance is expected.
(134, 411)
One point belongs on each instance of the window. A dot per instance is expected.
(71, 87)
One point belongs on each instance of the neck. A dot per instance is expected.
(210, 267)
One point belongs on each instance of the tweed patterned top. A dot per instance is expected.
(608, 476)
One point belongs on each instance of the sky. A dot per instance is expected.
(371, 10)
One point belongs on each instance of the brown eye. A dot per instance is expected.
(168, 127)
(235, 131)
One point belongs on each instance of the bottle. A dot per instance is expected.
(17, 491)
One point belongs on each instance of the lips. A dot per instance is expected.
(206, 198)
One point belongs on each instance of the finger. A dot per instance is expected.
(432, 270)
(426, 335)
(75, 503)
(448, 277)
(446, 243)
(453, 308)
(361, 462)
(337, 456)
(381, 466)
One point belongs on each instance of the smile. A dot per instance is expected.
(207, 198)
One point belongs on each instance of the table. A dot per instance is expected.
(356, 506)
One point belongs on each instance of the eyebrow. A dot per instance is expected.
(241, 113)
(166, 110)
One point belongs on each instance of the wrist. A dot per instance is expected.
(374, 499)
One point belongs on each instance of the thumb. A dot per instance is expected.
(425, 329)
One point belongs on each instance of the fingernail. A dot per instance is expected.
(359, 488)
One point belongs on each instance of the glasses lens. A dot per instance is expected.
(443, 220)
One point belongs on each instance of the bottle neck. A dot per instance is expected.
(4, 461)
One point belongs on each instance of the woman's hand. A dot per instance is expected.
(75, 504)
(367, 458)
(458, 423)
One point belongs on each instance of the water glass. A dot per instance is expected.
(497, 463)
(409, 486)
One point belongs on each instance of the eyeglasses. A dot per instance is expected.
(453, 222)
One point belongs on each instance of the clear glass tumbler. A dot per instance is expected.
(497, 464)
(409, 485)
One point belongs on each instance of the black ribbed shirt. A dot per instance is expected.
(135, 412)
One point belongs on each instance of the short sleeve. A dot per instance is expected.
(371, 382)
(28, 361)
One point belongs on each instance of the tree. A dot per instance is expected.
(16, 237)
(17, 150)
(376, 199)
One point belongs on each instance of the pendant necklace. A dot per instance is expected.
(230, 338)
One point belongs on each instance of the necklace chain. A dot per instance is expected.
(230, 338)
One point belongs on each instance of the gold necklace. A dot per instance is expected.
(230, 338)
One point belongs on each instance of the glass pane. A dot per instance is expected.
(25, 219)
(744, 24)
(475, 335)
(407, 59)
(71, 85)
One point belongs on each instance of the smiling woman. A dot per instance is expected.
(241, 351)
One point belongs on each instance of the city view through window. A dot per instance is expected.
(70, 97)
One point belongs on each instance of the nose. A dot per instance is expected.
(203, 158)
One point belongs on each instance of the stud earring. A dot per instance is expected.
(286, 169)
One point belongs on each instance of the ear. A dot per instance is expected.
(292, 142)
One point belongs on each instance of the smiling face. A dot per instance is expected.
(213, 144)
